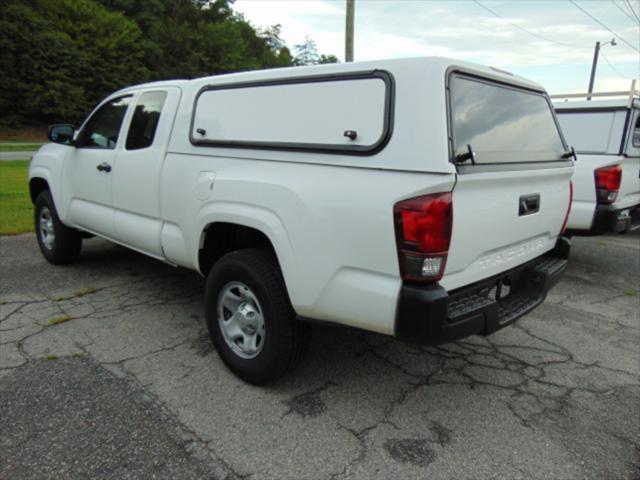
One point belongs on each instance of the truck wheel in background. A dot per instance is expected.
(58, 243)
(250, 319)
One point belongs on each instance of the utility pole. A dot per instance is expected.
(594, 65)
(596, 52)
(348, 31)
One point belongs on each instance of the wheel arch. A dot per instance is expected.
(222, 237)
(37, 185)
(263, 227)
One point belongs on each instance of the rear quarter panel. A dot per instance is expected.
(332, 227)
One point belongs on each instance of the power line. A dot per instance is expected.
(632, 10)
(524, 29)
(627, 14)
(601, 24)
(612, 67)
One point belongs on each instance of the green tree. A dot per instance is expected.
(59, 57)
(306, 52)
(276, 44)
(186, 38)
(328, 59)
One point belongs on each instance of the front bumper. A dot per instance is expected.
(430, 315)
(609, 219)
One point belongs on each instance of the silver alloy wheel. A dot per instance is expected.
(241, 320)
(47, 233)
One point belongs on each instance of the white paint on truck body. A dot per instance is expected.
(328, 214)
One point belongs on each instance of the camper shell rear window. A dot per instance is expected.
(349, 113)
(501, 124)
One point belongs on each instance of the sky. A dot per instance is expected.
(548, 41)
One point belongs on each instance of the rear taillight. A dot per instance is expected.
(608, 183)
(423, 232)
(566, 217)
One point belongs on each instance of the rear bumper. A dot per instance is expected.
(430, 315)
(609, 219)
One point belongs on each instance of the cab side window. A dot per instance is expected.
(636, 133)
(102, 129)
(145, 120)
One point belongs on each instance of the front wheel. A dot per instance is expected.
(58, 243)
(250, 319)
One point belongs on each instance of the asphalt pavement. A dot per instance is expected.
(18, 154)
(106, 371)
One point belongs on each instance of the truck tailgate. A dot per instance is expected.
(629, 194)
(504, 219)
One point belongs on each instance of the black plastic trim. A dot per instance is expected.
(512, 167)
(606, 220)
(431, 315)
(586, 152)
(387, 129)
(561, 110)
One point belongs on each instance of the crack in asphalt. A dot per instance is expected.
(194, 436)
(458, 358)
(308, 404)
(537, 378)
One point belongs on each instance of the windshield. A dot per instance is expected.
(502, 124)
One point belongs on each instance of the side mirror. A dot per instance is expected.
(61, 133)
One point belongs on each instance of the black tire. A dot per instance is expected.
(67, 242)
(286, 339)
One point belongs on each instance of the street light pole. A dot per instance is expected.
(348, 40)
(596, 53)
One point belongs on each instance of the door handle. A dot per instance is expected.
(104, 167)
(529, 204)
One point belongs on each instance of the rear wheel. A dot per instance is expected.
(250, 319)
(58, 243)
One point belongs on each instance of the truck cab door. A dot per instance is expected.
(137, 178)
(88, 168)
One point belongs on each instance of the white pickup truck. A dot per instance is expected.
(605, 132)
(422, 198)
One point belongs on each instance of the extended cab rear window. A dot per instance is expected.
(501, 124)
(346, 113)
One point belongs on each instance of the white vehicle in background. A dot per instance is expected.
(422, 198)
(605, 133)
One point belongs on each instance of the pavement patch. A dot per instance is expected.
(410, 450)
(70, 418)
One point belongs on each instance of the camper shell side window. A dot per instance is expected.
(349, 113)
(596, 131)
